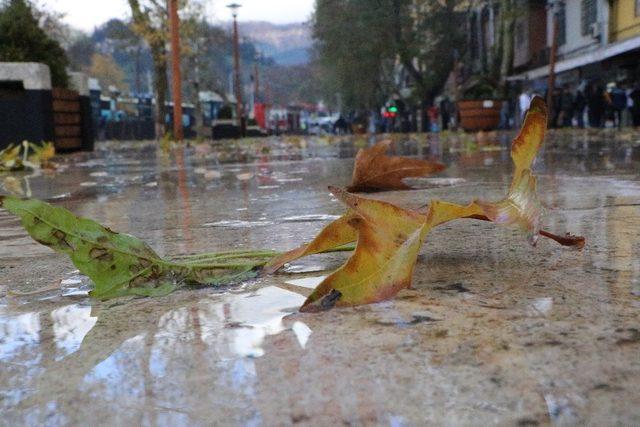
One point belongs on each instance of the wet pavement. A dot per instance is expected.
(494, 331)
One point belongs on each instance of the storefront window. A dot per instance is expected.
(589, 15)
(562, 24)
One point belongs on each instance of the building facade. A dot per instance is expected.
(596, 40)
(625, 19)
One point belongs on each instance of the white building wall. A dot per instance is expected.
(576, 43)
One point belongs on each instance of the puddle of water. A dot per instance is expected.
(237, 224)
(434, 182)
(17, 334)
(310, 218)
(234, 325)
(70, 325)
(302, 331)
(283, 180)
(303, 268)
(244, 176)
(307, 282)
(542, 306)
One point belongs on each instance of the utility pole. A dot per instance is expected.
(256, 73)
(236, 68)
(551, 80)
(174, 27)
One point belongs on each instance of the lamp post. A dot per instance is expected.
(554, 6)
(174, 23)
(236, 68)
(256, 78)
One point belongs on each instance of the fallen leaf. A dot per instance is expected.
(389, 239)
(42, 154)
(10, 158)
(120, 264)
(521, 206)
(375, 171)
(338, 233)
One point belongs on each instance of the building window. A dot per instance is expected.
(562, 24)
(589, 15)
(520, 34)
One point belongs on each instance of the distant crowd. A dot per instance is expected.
(591, 104)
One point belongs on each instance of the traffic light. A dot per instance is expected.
(390, 112)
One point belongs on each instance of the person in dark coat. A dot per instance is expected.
(596, 104)
(579, 104)
(635, 108)
(618, 104)
(566, 107)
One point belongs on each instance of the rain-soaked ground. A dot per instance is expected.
(494, 331)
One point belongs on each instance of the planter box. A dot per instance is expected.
(479, 115)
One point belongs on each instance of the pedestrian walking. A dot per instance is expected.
(596, 104)
(557, 107)
(524, 99)
(445, 112)
(579, 104)
(635, 108)
(618, 104)
(566, 107)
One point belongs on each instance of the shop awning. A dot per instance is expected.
(592, 57)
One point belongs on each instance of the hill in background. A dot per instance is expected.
(287, 44)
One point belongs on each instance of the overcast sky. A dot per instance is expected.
(87, 14)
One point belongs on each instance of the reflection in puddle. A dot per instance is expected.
(75, 284)
(434, 182)
(17, 333)
(543, 306)
(302, 268)
(70, 325)
(237, 224)
(302, 332)
(307, 282)
(309, 218)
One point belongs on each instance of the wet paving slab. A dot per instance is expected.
(494, 331)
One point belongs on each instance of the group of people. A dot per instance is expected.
(592, 104)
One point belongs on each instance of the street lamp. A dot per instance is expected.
(174, 23)
(236, 63)
(554, 6)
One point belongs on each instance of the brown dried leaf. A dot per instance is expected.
(375, 171)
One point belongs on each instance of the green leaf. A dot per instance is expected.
(118, 264)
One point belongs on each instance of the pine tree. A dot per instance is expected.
(22, 40)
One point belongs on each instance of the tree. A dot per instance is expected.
(355, 50)
(428, 36)
(22, 40)
(370, 49)
(105, 69)
(151, 22)
(80, 52)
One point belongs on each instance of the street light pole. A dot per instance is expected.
(256, 73)
(236, 68)
(174, 24)
(551, 78)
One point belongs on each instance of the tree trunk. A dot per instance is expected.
(506, 66)
(160, 84)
